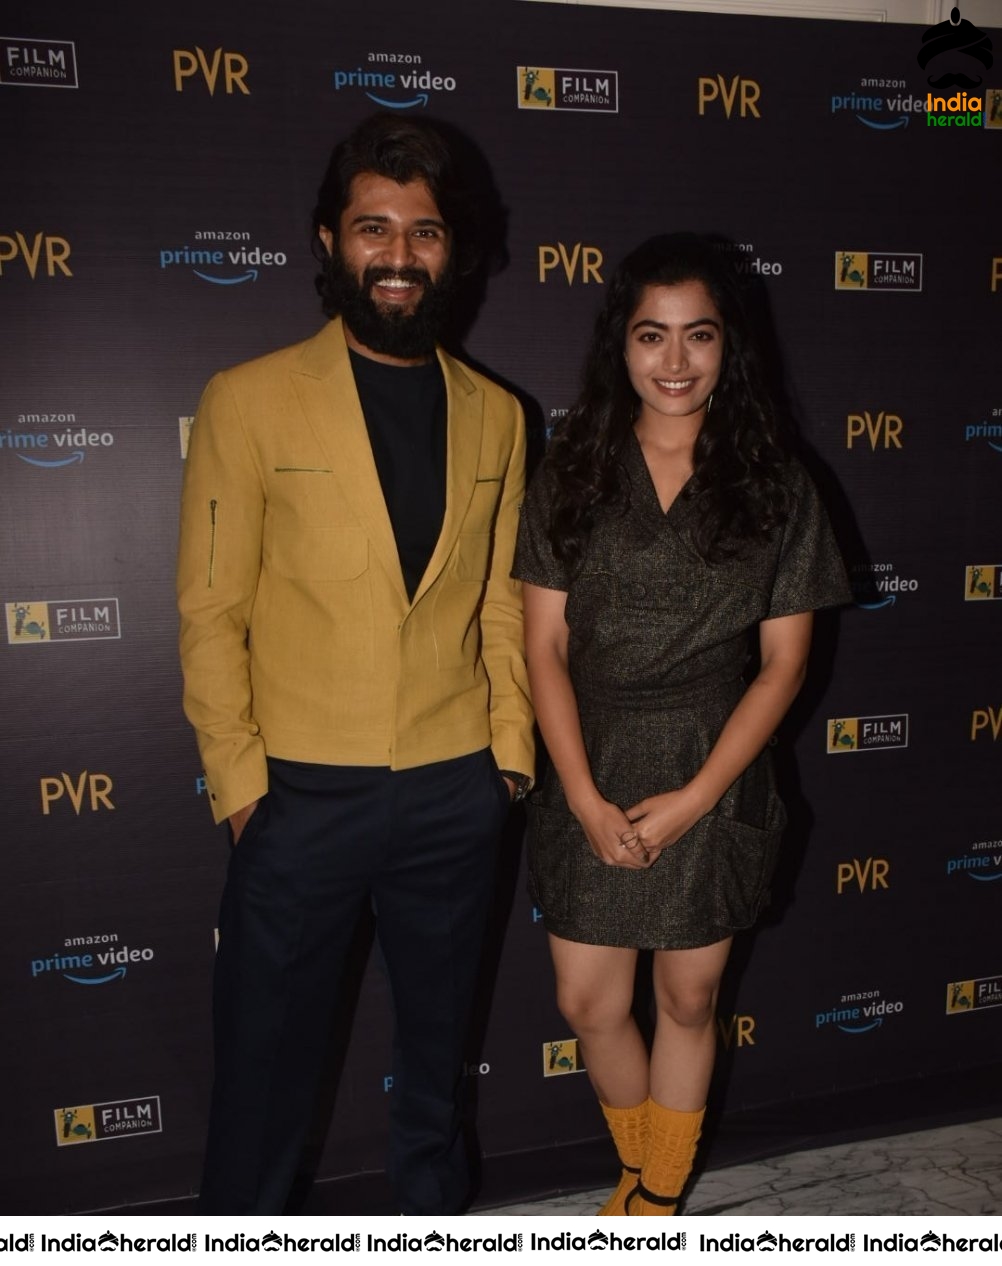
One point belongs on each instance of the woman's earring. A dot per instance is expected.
(709, 402)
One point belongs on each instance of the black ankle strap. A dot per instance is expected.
(651, 1197)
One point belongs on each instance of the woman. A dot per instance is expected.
(667, 523)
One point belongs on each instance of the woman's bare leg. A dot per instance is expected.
(595, 997)
(686, 985)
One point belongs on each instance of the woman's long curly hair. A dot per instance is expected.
(740, 450)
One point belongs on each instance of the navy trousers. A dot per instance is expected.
(420, 846)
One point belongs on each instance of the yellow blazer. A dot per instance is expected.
(297, 636)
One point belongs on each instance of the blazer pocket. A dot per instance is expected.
(473, 552)
(482, 512)
(308, 552)
(458, 594)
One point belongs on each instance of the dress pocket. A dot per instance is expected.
(553, 841)
(742, 859)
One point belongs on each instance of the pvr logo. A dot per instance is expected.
(869, 875)
(57, 252)
(743, 92)
(884, 430)
(187, 65)
(986, 719)
(587, 258)
(738, 1030)
(98, 785)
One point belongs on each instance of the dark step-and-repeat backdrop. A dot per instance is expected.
(160, 168)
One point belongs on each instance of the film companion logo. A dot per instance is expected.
(38, 63)
(867, 734)
(65, 620)
(983, 582)
(119, 1118)
(973, 995)
(548, 88)
(878, 270)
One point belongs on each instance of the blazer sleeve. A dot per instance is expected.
(219, 562)
(502, 638)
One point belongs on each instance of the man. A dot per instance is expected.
(353, 663)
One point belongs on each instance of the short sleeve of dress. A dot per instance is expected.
(535, 561)
(810, 573)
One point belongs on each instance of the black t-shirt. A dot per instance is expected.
(405, 413)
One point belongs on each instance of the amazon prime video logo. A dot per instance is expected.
(879, 585)
(67, 446)
(858, 1013)
(879, 102)
(222, 265)
(91, 960)
(395, 81)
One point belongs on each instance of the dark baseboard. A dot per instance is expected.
(734, 1138)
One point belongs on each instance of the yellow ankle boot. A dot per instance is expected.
(628, 1127)
(671, 1147)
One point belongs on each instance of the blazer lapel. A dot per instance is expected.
(326, 389)
(465, 427)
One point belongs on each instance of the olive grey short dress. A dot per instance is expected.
(658, 645)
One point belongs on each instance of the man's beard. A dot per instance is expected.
(407, 335)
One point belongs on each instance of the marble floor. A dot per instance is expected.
(953, 1170)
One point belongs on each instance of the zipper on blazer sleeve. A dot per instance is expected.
(212, 537)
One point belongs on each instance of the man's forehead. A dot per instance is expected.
(373, 194)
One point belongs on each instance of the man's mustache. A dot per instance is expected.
(954, 79)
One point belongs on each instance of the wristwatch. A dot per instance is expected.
(523, 784)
